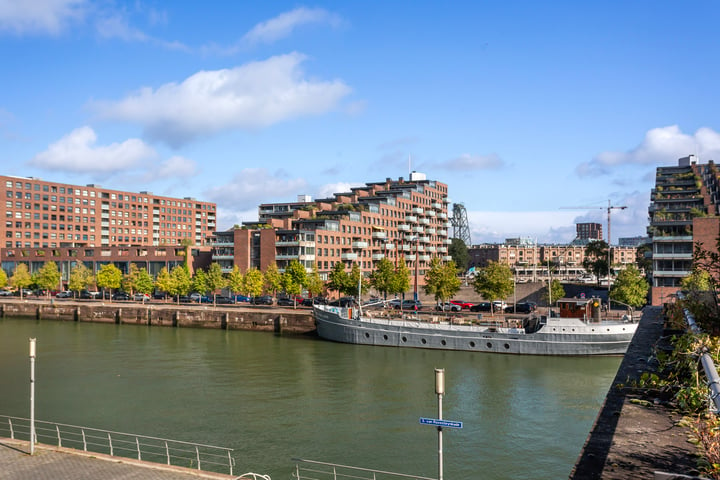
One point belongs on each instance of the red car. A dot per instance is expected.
(462, 304)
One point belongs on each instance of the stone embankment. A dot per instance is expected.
(232, 317)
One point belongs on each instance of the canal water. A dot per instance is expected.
(271, 398)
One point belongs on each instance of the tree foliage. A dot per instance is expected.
(441, 280)
(199, 282)
(698, 280)
(253, 282)
(180, 281)
(459, 253)
(556, 292)
(163, 282)
(48, 277)
(109, 276)
(235, 280)
(630, 287)
(21, 277)
(338, 278)
(494, 282)
(273, 282)
(3, 278)
(596, 258)
(80, 278)
(294, 279)
(382, 278)
(315, 284)
(130, 279)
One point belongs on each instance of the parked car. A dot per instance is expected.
(160, 295)
(481, 307)
(394, 303)
(89, 295)
(309, 302)
(262, 300)
(447, 307)
(521, 307)
(462, 304)
(242, 298)
(25, 292)
(196, 297)
(141, 297)
(410, 305)
(5, 293)
(285, 302)
(184, 299)
(121, 296)
(223, 300)
(499, 305)
(64, 294)
(343, 302)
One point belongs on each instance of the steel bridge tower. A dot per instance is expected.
(460, 225)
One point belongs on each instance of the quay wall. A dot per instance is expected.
(168, 315)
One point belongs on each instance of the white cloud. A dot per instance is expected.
(39, 16)
(251, 96)
(467, 162)
(227, 218)
(327, 190)
(284, 24)
(176, 166)
(77, 152)
(660, 146)
(253, 186)
(117, 26)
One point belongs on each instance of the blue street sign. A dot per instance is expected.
(440, 423)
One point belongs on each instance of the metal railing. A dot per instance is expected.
(118, 444)
(313, 470)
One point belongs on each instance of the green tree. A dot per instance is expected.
(199, 282)
(129, 280)
(21, 277)
(459, 253)
(109, 276)
(383, 277)
(401, 282)
(235, 280)
(163, 282)
(80, 278)
(144, 282)
(494, 282)
(698, 280)
(441, 280)
(48, 277)
(273, 282)
(180, 282)
(596, 259)
(294, 278)
(338, 278)
(214, 279)
(315, 284)
(3, 278)
(253, 282)
(356, 280)
(556, 292)
(630, 287)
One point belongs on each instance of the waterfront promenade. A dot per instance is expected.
(53, 463)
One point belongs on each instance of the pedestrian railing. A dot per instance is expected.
(313, 470)
(128, 445)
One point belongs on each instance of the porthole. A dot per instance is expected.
(367, 335)
(472, 344)
(507, 346)
(385, 337)
(489, 345)
(443, 342)
(423, 341)
(404, 339)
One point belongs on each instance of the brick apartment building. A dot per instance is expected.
(70, 223)
(401, 220)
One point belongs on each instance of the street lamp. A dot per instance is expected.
(417, 260)
(440, 391)
(32, 396)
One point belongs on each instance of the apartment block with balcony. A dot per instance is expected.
(401, 220)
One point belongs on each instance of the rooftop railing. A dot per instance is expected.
(313, 470)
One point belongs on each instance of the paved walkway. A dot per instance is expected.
(53, 463)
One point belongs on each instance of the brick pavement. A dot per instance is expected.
(53, 463)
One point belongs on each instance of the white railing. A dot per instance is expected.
(128, 445)
(312, 470)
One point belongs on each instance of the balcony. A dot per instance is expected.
(425, 221)
(418, 230)
(403, 227)
(379, 235)
(359, 244)
(430, 231)
(411, 219)
(447, 258)
(442, 232)
(417, 210)
(436, 205)
(410, 258)
(442, 249)
(447, 200)
(424, 258)
(222, 257)
(223, 244)
(431, 248)
(289, 256)
(425, 239)
(442, 215)
(348, 256)
(430, 213)
(378, 256)
(389, 246)
(405, 248)
(287, 243)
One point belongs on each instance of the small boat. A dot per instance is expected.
(530, 335)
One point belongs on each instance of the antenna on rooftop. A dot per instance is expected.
(409, 164)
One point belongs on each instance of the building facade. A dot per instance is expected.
(401, 220)
(42, 214)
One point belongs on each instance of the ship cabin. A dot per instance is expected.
(584, 308)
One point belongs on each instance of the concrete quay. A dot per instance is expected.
(629, 440)
(55, 463)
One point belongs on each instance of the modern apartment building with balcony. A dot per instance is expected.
(683, 211)
(401, 220)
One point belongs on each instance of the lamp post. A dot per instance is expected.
(417, 260)
(440, 391)
(32, 396)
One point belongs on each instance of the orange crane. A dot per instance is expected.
(609, 209)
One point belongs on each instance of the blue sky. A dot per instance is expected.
(522, 108)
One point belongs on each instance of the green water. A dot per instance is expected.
(273, 398)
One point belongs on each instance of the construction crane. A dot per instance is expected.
(459, 222)
(609, 208)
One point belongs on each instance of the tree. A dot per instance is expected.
(129, 281)
(273, 282)
(235, 280)
(338, 278)
(163, 282)
(199, 282)
(698, 280)
(441, 280)
(314, 283)
(109, 276)
(630, 287)
(253, 282)
(556, 292)
(21, 278)
(383, 277)
(356, 280)
(214, 279)
(48, 277)
(180, 281)
(3, 278)
(294, 278)
(494, 281)
(596, 259)
(144, 282)
(401, 282)
(80, 278)
(459, 253)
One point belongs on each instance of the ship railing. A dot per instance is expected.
(314, 470)
(118, 444)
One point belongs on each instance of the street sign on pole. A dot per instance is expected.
(441, 423)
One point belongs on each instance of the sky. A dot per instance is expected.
(535, 114)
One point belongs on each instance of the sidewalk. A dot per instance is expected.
(53, 463)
